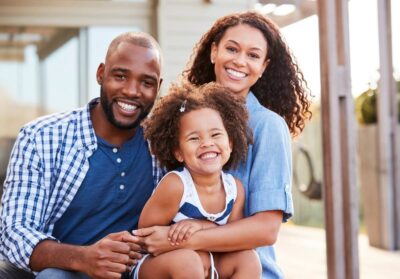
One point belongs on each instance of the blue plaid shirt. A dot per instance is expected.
(48, 163)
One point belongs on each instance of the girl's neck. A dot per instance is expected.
(207, 181)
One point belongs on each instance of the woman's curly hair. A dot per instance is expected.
(161, 128)
(282, 87)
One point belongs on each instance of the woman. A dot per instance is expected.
(246, 53)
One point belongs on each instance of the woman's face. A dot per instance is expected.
(240, 58)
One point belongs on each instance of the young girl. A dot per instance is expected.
(201, 131)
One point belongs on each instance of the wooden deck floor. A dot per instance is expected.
(301, 255)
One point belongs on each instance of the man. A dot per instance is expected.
(77, 181)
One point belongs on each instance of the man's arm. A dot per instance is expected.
(23, 202)
(107, 258)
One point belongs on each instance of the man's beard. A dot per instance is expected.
(107, 108)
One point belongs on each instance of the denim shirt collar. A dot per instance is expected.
(252, 102)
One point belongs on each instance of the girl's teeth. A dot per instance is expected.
(209, 155)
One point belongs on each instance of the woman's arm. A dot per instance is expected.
(258, 230)
(261, 229)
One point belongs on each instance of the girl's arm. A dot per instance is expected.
(163, 205)
(237, 210)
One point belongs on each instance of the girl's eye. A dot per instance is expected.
(216, 135)
(193, 138)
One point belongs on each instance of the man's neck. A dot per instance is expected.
(107, 131)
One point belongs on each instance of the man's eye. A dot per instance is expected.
(120, 77)
(148, 83)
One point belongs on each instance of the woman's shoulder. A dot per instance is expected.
(266, 119)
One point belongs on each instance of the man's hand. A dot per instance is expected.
(184, 229)
(111, 256)
(155, 239)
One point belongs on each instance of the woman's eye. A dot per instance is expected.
(231, 49)
(254, 55)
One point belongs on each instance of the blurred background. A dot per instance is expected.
(50, 50)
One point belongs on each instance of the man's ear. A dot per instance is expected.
(160, 83)
(100, 73)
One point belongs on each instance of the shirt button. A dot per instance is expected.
(119, 160)
(121, 187)
(123, 173)
(287, 187)
(115, 150)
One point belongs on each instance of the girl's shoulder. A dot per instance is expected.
(171, 182)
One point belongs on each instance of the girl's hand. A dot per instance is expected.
(154, 240)
(184, 229)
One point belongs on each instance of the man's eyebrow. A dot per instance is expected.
(119, 70)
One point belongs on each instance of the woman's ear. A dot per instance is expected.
(266, 63)
(213, 54)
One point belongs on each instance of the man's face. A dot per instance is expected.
(130, 80)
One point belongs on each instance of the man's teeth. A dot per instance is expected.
(126, 106)
(236, 73)
(209, 155)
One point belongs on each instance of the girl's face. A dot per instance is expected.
(240, 58)
(204, 144)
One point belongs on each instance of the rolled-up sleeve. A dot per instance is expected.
(23, 203)
(271, 169)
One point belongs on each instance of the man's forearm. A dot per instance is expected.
(50, 253)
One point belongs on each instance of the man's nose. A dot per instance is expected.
(131, 89)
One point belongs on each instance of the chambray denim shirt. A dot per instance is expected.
(267, 173)
(48, 164)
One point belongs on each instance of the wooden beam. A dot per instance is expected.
(15, 54)
(338, 136)
(388, 165)
(72, 13)
(59, 39)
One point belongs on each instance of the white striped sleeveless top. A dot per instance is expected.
(190, 206)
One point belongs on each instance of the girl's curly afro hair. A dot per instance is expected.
(161, 128)
(281, 88)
